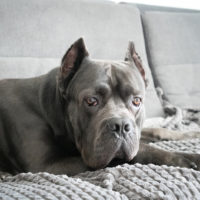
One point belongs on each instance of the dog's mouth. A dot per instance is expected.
(122, 153)
(120, 158)
(116, 161)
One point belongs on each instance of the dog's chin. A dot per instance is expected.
(103, 151)
(109, 162)
(96, 161)
(110, 158)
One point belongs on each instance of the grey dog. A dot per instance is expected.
(85, 115)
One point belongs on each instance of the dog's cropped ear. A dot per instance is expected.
(72, 59)
(71, 62)
(133, 56)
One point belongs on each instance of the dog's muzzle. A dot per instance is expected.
(117, 139)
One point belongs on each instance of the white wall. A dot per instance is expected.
(189, 4)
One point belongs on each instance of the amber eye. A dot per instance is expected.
(91, 101)
(136, 101)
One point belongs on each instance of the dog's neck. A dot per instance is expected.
(53, 106)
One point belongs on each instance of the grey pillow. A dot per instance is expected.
(173, 43)
(45, 29)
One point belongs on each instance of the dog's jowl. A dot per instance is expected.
(86, 114)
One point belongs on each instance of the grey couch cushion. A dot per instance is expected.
(181, 84)
(26, 67)
(173, 41)
(45, 29)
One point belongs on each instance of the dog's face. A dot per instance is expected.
(104, 105)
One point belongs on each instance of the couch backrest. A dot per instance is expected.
(34, 35)
(173, 42)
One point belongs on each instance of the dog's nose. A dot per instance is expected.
(120, 125)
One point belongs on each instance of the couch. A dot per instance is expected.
(34, 36)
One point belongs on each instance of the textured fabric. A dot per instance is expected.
(45, 29)
(193, 146)
(121, 182)
(148, 181)
(185, 120)
(173, 46)
(49, 186)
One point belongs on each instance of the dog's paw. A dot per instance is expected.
(188, 160)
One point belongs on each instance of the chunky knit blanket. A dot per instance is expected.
(123, 181)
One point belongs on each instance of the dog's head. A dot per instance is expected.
(104, 104)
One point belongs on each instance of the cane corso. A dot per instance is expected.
(85, 115)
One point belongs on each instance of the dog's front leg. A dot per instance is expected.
(149, 154)
(70, 166)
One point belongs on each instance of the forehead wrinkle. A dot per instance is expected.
(109, 74)
(127, 79)
(112, 76)
(102, 89)
(128, 89)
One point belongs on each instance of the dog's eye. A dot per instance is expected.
(92, 101)
(137, 101)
